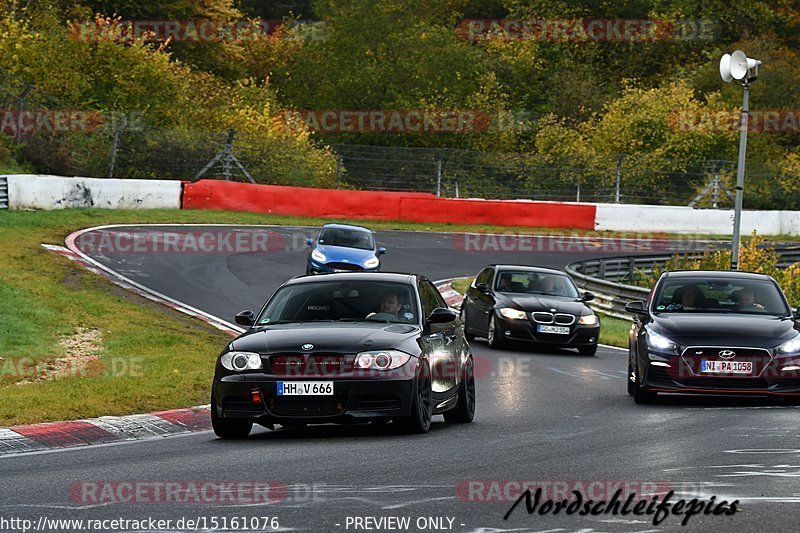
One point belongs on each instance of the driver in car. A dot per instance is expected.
(390, 304)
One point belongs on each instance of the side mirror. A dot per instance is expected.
(381, 250)
(482, 287)
(310, 242)
(246, 318)
(797, 313)
(587, 296)
(636, 307)
(442, 315)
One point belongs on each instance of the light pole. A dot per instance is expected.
(738, 66)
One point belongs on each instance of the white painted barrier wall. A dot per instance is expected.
(31, 191)
(675, 219)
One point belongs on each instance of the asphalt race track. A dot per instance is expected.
(542, 418)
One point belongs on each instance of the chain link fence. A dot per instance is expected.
(53, 138)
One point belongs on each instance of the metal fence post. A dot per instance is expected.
(439, 176)
(20, 107)
(118, 127)
(338, 170)
(619, 175)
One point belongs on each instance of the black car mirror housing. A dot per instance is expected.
(245, 318)
(441, 315)
(587, 296)
(636, 307)
(482, 287)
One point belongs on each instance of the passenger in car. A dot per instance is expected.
(745, 300)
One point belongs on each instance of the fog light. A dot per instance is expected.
(790, 368)
(659, 363)
(507, 333)
(257, 399)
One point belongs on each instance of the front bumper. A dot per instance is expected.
(681, 376)
(352, 398)
(526, 330)
(314, 267)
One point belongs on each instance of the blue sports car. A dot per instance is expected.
(343, 248)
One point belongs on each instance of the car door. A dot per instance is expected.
(481, 302)
(440, 341)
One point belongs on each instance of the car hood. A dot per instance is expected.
(342, 254)
(326, 337)
(695, 329)
(538, 302)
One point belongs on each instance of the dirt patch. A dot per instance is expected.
(81, 358)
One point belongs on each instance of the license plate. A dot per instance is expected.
(726, 367)
(305, 388)
(558, 330)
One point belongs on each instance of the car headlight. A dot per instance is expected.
(316, 255)
(514, 314)
(588, 320)
(372, 262)
(240, 361)
(790, 346)
(381, 359)
(660, 343)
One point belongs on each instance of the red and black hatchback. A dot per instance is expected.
(716, 332)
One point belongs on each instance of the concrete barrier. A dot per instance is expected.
(383, 205)
(675, 219)
(31, 191)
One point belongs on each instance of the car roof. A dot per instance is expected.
(397, 277)
(345, 226)
(729, 274)
(526, 268)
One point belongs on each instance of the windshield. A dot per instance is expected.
(720, 296)
(535, 283)
(341, 301)
(348, 238)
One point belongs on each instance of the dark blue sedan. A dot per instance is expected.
(343, 248)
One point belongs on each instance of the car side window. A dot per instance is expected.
(485, 277)
(428, 293)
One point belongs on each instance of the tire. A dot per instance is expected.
(422, 405)
(495, 341)
(631, 379)
(229, 428)
(464, 411)
(642, 396)
(462, 316)
(587, 350)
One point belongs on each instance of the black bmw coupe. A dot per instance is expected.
(523, 303)
(344, 348)
(715, 332)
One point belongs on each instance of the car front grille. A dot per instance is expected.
(344, 266)
(307, 405)
(692, 357)
(560, 319)
(378, 403)
(297, 364)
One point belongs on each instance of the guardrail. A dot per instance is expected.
(609, 278)
(3, 192)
